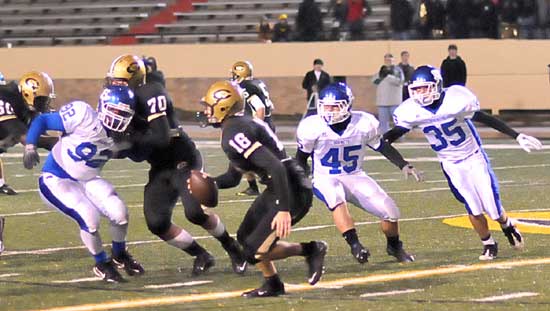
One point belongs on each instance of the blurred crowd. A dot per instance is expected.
(411, 19)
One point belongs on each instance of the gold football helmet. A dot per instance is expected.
(37, 90)
(129, 68)
(241, 70)
(222, 100)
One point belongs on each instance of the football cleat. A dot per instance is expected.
(248, 192)
(128, 263)
(203, 262)
(265, 290)
(238, 263)
(108, 272)
(400, 253)
(489, 252)
(5, 189)
(2, 223)
(514, 237)
(360, 253)
(315, 262)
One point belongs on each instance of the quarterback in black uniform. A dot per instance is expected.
(156, 137)
(257, 104)
(251, 146)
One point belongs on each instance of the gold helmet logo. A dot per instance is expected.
(37, 90)
(222, 100)
(241, 70)
(128, 68)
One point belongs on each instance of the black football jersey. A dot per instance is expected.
(258, 88)
(242, 135)
(12, 105)
(153, 101)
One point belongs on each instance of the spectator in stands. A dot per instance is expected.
(282, 30)
(314, 81)
(453, 68)
(357, 11)
(401, 14)
(407, 70)
(431, 19)
(309, 22)
(488, 19)
(338, 10)
(389, 91)
(264, 30)
(527, 19)
(459, 12)
(509, 14)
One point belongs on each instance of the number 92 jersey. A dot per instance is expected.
(85, 147)
(448, 128)
(335, 154)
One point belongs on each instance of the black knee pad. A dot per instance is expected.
(158, 226)
(195, 214)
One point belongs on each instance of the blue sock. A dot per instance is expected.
(101, 257)
(118, 248)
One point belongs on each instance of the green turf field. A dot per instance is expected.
(44, 266)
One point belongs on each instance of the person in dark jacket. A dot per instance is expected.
(338, 10)
(488, 19)
(453, 68)
(314, 81)
(309, 21)
(408, 70)
(401, 13)
(431, 18)
(282, 30)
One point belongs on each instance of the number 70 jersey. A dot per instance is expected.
(338, 153)
(448, 128)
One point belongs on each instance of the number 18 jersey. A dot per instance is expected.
(338, 153)
(448, 128)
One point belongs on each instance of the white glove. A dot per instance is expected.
(409, 170)
(529, 143)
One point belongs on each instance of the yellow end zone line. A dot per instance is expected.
(403, 275)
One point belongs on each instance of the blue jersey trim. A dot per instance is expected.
(51, 166)
(62, 207)
(455, 192)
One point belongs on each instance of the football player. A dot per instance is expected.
(19, 104)
(336, 137)
(156, 137)
(446, 117)
(257, 104)
(251, 146)
(70, 179)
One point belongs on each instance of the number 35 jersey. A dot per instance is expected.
(338, 153)
(84, 147)
(448, 128)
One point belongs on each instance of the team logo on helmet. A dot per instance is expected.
(221, 95)
(32, 83)
(133, 67)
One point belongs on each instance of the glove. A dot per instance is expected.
(529, 143)
(384, 71)
(30, 157)
(409, 170)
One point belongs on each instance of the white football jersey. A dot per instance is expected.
(335, 154)
(448, 129)
(85, 147)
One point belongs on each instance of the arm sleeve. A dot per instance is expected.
(495, 123)
(394, 134)
(388, 151)
(43, 123)
(301, 158)
(229, 179)
(158, 134)
(264, 159)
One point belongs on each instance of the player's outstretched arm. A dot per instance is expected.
(41, 124)
(528, 143)
(229, 179)
(394, 134)
(158, 135)
(397, 159)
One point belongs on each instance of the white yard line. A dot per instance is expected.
(92, 279)
(26, 213)
(506, 297)
(391, 293)
(174, 285)
(9, 275)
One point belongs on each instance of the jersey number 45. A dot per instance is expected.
(332, 159)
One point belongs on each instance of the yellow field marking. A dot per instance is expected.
(464, 222)
(398, 276)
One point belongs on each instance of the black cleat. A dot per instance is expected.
(400, 253)
(108, 272)
(514, 237)
(489, 252)
(315, 262)
(5, 189)
(128, 263)
(360, 253)
(203, 262)
(2, 223)
(249, 192)
(238, 263)
(265, 291)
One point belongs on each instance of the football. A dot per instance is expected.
(203, 188)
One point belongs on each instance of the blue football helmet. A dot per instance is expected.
(116, 107)
(2, 79)
(334, 103)
(426, 85)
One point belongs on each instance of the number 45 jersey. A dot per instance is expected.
(338, 153)
(448, 127)
(84, 148)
